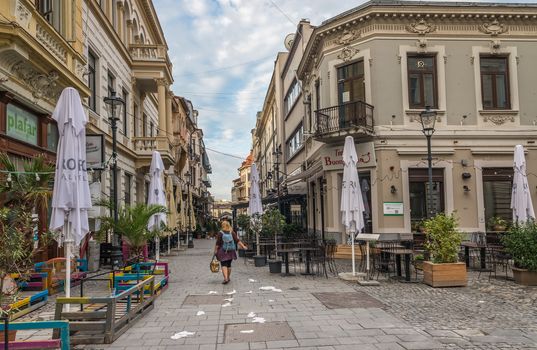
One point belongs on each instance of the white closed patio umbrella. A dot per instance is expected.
(521, 197)
(352, 203)
(156, 196)
(71, 197)
(255, 207)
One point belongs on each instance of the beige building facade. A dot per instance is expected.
(371, 71)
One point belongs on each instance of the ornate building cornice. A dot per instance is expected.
(423, 21)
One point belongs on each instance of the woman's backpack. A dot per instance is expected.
(228, 242)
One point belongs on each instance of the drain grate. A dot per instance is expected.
(269, 331)
(204, 299)
(349, 300)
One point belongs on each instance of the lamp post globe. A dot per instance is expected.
(428, 120)
(114, 104)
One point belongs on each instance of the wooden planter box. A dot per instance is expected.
(525, 277)
(444, 275)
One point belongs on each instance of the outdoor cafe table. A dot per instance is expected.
(482, 253)
(398, 252)
(308, 259)
(285, 253)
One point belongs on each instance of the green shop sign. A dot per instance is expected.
(21, 124)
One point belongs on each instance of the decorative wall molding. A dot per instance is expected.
(41, 85)
(348, 36)
(421, 27)
(50, 43)
(347, 53)
(23, 15)
(498, 119)
(493, 28)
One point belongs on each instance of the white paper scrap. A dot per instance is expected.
(251, 314)
(248, 292)
(251, 280)
(212, 292)
(272, 288)
(232, 292)
(258, 320)
(247, 331)
(182, 334)
(226, 305)
(271, 301)
(229, 299)
(200, 313)
(266, 288)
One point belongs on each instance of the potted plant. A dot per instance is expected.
(497, 223)
(255, 224)
(273, 222)
(521, 242)
(443, 241)
(132, 225)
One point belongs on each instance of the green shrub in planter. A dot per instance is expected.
(521, 242)
(443, 240)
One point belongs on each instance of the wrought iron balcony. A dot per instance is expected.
(350, 118)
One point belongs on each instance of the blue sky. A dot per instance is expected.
(223, 54)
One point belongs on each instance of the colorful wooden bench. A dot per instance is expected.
(98, 320)
(27, 304)
(32, 294)
(133, 273)
(60, 342)
(56, 268)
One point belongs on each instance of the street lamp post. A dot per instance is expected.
(428, 119)
(190, 243)
(114, 102)
(277, 154)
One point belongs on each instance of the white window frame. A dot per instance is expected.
(440, 53)
(511, 53)
(364, 55)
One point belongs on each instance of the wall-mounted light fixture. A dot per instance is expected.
(393, 189)
(466, 189)
(466, 176)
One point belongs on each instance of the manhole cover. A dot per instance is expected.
(205, 299)
(348, 300)
(269, 331)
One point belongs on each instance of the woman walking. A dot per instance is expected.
(226, 247)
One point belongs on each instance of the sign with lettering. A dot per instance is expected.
(332, 157)
(299, 187)
(393, 209)
(21, 125)
(95, 152)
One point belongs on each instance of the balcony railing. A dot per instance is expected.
(345, 116)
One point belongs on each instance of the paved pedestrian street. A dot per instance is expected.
(198, 312)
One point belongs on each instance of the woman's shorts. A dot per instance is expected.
(226, 263)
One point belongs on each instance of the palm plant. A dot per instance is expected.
(132, 225)
(29, 190)
(24, 193)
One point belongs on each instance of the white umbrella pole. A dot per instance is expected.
(67, 285)
(257, 242)
(169, 243)
(157, 248)
(353, 257)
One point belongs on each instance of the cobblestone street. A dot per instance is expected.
(495, 315)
